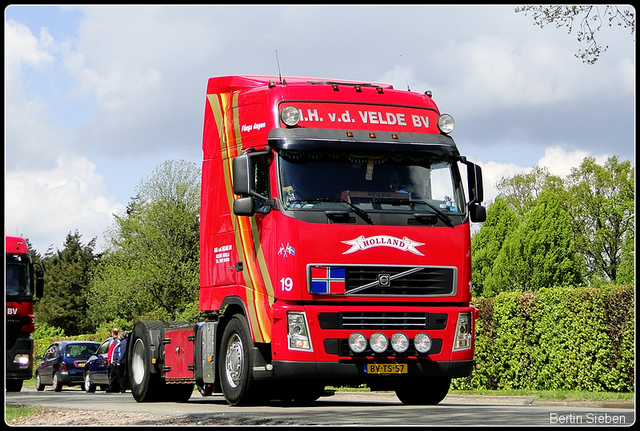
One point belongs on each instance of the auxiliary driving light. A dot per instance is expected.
(422, 342)
(379, 342)
(446, 124)
(399, 342)
(290, 116)
(357, 342)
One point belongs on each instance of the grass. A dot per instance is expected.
(554, 395)
(16, 412)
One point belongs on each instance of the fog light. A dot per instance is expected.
(357, 342)
(422, 342)
(298, 331)
(399, 342)
(379, 342)
(290, 116)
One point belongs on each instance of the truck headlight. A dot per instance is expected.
(22, 359)
(298, 331)
(462, 340)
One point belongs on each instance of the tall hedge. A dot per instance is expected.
(555, 338)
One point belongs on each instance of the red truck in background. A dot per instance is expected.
(334, 248)
(24, 281)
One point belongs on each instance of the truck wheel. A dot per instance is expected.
(145, 385)
(234, 363)
(15, 385)
(424, 392)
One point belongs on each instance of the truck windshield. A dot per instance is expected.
(389, 182)
(17, 279)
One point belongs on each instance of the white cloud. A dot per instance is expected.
(46, 205)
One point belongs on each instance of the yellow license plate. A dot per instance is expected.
(385, 369)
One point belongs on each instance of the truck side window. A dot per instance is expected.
(262, 183)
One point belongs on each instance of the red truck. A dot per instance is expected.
(24, 280)
(334, 248)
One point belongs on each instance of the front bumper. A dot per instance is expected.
(353, 372)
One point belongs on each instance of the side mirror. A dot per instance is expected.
(244, 206)
(474, 176)
(244, 183)
(39, 285)
(243, 177)
(477, 212)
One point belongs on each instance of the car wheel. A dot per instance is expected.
(57, 384)
(39, 385)
(88, 387)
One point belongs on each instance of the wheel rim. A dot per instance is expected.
(234, 363)
(87, 382)
(137, 362)
(55, 380)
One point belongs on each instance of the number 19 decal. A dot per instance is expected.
(286, 283)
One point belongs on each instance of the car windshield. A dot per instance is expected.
(80, 351)
(17, 279)
(373, 182)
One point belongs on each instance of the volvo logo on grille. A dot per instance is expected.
(384, 280)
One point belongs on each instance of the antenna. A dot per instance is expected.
(405, 73)
(279, 73)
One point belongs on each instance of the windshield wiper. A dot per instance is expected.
(359, 211)
(398, 201)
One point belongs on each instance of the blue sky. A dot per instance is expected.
(96, 97)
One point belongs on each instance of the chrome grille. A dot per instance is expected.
(400, 280)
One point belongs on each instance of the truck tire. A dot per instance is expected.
(15, 385)
(425, 392)
(145, 385)
(234, 362)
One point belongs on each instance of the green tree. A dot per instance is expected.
(67, 278)
(522, 190)
(152, 266)
(539, 253)
(591, 19)
(601, 204)
(487, 243)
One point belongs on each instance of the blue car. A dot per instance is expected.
(63, 364)
(95, 370)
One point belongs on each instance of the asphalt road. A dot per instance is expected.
(342, 409)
